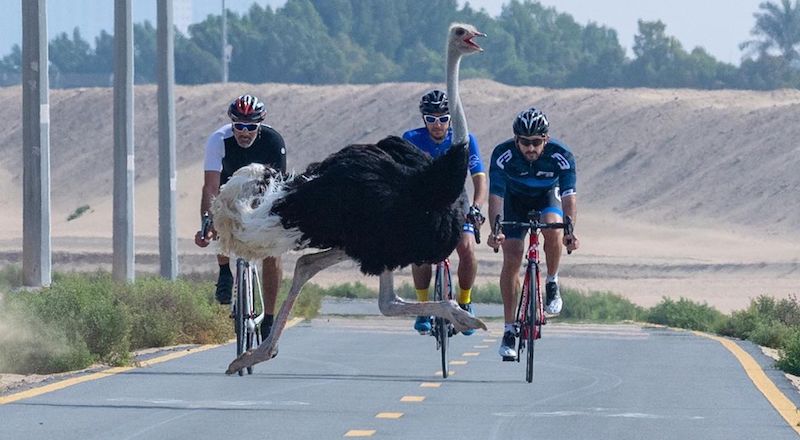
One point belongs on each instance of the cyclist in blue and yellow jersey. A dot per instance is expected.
(530, 171)
(435, 138)
(244, 140)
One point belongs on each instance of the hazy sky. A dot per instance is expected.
(717, 25)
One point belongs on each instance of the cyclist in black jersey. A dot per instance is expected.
(245, 140)
(530, 171)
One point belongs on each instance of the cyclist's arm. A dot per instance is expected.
(569, 204)
(210, 190)
(481, 189)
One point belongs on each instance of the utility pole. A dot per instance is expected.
(36, 252)
(226, 48)
(167, 180)
(122, 261)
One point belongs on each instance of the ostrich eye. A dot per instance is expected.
(460, 31)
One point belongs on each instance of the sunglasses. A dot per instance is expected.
(530, 142)
(430, 119)
(242, 127)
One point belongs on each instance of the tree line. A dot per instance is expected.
(373, 41)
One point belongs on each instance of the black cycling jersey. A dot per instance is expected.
(224, 154)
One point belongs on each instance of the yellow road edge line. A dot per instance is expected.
(360, 433)
(389, 415)
(776, 398)
(49, 388)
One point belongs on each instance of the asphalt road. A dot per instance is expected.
(375, 378)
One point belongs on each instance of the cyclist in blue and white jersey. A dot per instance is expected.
(435, 138)
(244, 140)
(530, 171)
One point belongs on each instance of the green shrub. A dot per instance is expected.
(350, 290)
(10, 277)
(789, 360)
(79, 211)
(598, 306)
(685, 314)
(487, 293)
(167, 312)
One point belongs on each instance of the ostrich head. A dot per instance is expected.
(460, 39)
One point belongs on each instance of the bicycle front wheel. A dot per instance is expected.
(442, 326)
(240, 310)
(531, 319)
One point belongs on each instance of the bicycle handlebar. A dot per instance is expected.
(566, 225)
(476, 219)
(205, 225)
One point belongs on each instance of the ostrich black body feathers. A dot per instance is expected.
(386, 205)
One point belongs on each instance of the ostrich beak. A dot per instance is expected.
(471, 43)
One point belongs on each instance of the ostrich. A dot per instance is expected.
(385, 206)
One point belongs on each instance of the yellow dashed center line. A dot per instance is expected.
(412, 398)
(430, 384)
(458, 362)
(360, 433)
(389, 415)
(490, 340)
(480, 346)
(439, 373)
(471, 353)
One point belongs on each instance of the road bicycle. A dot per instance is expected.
(247, 287)
(442, 329)
(530, 314)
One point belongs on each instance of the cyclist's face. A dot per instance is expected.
(531, 146)
(437, 125)
(245, 133)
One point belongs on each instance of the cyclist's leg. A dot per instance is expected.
(224, 290)
(272, 275)
(467, 269)
(422, 280)
(552, 251)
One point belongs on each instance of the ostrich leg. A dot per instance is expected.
(307, 266)
(392, 305)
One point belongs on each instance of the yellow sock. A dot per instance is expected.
(465, 296)
(422, 294)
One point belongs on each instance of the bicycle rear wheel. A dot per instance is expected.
(441, 324)
(532, 320)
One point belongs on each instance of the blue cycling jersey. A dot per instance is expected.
(510, 173)
(423, 141)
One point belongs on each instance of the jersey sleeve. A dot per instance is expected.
(409, 136)
(215, 151)
(475, 162)
(568, 176)
(281, 147)
(497, 173)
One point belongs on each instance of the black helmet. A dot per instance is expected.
(247, 108)
(434, 101)
(531, 122)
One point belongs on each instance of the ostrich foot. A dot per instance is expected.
(460, 318)
(264, 352)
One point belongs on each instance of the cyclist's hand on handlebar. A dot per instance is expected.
(204, 241)
(571, 242)
(475, 216)
(495, 241)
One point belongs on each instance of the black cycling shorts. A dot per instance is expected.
(516, 208)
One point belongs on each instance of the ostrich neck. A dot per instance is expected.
(459, 124)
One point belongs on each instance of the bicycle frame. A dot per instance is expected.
(530, 284)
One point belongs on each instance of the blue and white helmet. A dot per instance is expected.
(531, 122)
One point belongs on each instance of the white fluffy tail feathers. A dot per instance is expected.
(243, 219)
